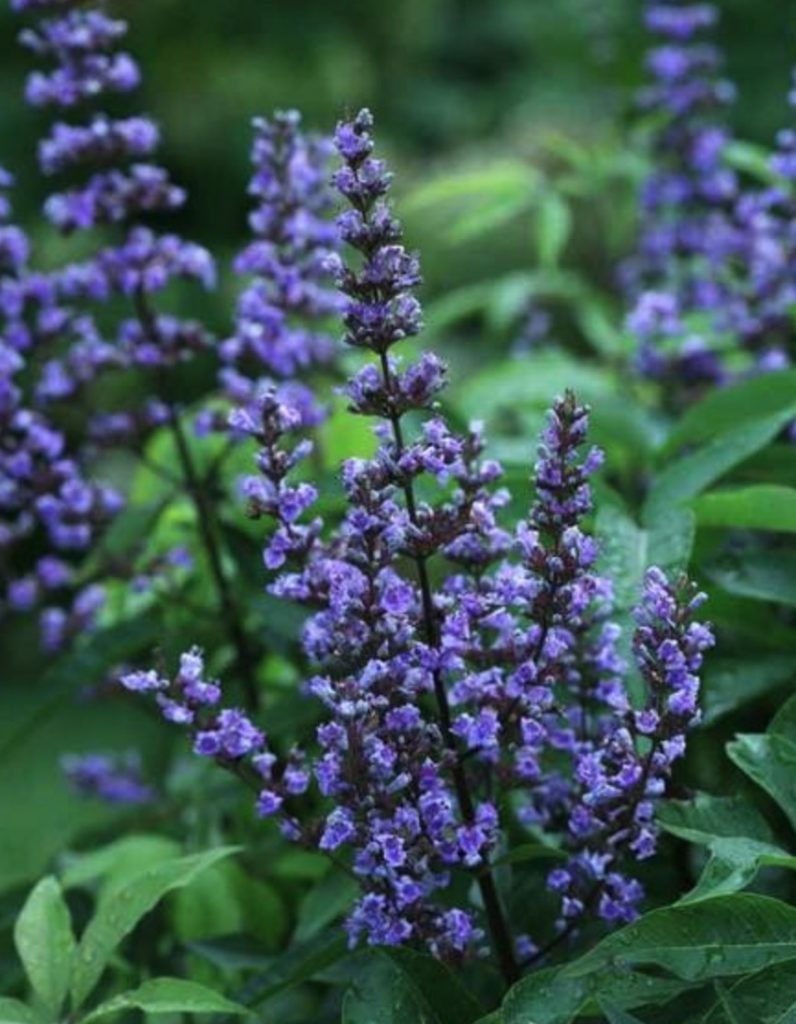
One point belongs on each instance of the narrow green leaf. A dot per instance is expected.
(116, 918)
(760, 507)
(725, 408)
(689, 476)
(553, 227)
(45, 943)
(167, 995)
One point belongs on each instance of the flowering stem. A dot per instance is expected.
(496, 921)
(245, 657)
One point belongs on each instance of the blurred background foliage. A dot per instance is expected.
(450, 81)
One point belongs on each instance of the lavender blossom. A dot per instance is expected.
(501, 679)
(280, 319)
(111, 778)
(686, 234)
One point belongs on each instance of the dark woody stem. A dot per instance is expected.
(499, 932)
(244, 655)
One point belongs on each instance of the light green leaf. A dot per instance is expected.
(12, 1011)
(692, 474)
(118, 860)
(45, 943)
(167, 995)
(553, 228)
(116, 918)
(760, 507)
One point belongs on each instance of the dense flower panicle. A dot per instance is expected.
(441, 701)
(621, 776)
(44, 492)
(686, 233)
(112, 778)
(280, 324)
(120, 189)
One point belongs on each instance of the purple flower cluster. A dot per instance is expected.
(44, 493)
(111, 778)
(686, 236)
(711, 287)
(279, 330)
(459, 664)
(80, 44)
(624, 769)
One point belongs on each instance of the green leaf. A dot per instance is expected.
(300, 963)
(762, 575)
(733, 864)
(225, 900)
(12, 1011)
(116, 918)
(751, 159)
(706, 818)
(723, 409)
(732, 1011)
(692, 474)
(614, 1015)
(167, 995)
(765, 997)
(117, 860)
(760, 507)
(45, 943)
(553, 228)
(382, 993)
(730, 684)
(716, 938)
(439, 987)
(550, 996)
(770, 761)
(324, 903)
